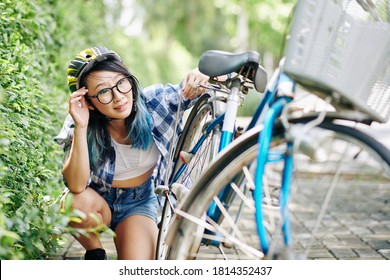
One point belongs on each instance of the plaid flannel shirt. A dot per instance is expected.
(162, 102)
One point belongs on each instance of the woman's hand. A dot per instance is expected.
(193, 82)
(78, 107)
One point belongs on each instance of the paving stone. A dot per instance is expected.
(343, 253)
(349, 237)
(338, 245)
(320, 254)
(369, 237)
(360, 230)
(379, 244)
(379, 229)
(331, 223)
(368, 254)
(380, 216)
(385, 253)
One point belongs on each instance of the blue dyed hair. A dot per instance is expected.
(139, 123)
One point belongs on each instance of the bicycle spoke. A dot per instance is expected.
(249, 203)
(247, 249)
(228, 218)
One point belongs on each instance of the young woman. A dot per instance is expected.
(116, 139)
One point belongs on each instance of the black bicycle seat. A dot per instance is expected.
(215, 63)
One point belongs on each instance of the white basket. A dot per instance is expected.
(338, 48)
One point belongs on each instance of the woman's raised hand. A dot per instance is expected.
(78, 107)
(193, 82)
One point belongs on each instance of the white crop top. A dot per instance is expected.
(131, 163)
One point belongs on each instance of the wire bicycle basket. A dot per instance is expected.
(342, 48)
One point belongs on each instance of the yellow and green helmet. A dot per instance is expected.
(84, 61)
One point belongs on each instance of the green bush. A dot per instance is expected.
(34, 54)
(28, 180)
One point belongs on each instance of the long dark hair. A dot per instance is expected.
(139, 123)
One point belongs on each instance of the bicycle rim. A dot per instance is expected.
(203, 113)
(352, 158)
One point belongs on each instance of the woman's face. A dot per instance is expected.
(105, 84)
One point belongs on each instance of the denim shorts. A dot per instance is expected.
(125, 202)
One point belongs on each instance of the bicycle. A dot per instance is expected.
(209, 128)
(258, 168)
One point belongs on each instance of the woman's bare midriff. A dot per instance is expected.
(133, 182)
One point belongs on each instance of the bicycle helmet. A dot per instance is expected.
(84, 61)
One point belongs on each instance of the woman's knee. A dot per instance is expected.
(94, 207)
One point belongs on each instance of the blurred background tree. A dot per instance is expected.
(180, 31)
(159, 40)
(166, 38)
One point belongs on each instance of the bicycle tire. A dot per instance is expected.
(202, 112)
(187, 231)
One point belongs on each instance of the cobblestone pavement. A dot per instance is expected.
(356, 225)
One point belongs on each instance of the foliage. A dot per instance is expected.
(26, 170)
(203, 24)
(36, 36)
(229, 25)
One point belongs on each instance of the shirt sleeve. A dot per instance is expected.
(65, 136)
(168, 96)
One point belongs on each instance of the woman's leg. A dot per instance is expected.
(90, 202)
(136, 238)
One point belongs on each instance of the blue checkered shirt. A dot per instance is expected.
(162, 102)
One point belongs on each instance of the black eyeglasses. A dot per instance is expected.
(106, 95)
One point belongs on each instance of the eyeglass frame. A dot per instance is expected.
(112, 90)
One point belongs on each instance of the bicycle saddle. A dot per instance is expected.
(215, 63)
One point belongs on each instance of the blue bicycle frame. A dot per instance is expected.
(266, 114)
(264, 156)
(270, 107)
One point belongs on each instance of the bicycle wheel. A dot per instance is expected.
(351, 155)
(184, 174)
